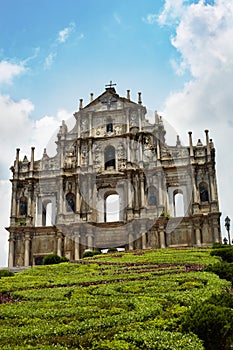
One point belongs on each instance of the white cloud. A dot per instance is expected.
(117, 18)
(64, 34)
(203, 38)
(171, 12)
(9, 70)
(5, 191)
(19, 130)
(15, 126)
(150, 18)
(49, 60)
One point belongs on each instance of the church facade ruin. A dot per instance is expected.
(114, 182)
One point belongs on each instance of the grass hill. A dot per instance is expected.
(128, 301)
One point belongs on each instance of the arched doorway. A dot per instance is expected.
(47, 212)
(112, 208)
(178, 203)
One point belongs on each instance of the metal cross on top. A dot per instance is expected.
(110, 85)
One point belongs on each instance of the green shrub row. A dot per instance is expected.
(54, 259)
(6, 273)
(225, 253)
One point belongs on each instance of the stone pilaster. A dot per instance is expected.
(76, 239)
(27, 240)
(59, 244)
(11, 250)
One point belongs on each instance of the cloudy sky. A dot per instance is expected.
(178, 53)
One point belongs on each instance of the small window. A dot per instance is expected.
(204, 194)
(23, 206)
(70, 202)
(109, 127)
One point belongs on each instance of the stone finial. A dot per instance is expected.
(80, 104)
(178, 143)
(207, 142)
(139, 98)
(17, 159)
(17, 153)
(32, 159)
(128, 94)
(156, 117)
(191, 144)
(91, 96)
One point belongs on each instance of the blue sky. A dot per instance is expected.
(105, 40)
(53, 52)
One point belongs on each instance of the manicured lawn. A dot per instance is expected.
(119, 301)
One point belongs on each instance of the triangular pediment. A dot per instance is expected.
(108, 100)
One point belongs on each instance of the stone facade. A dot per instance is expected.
(113, 158)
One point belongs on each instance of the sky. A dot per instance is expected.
(178, 53)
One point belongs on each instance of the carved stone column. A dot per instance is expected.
(142, 191)
(127, 121)
(59, 244)
(131, 241)
(212, 185)
(27, 240)
(162, 238)
(90, 153)
(162, 230)
(143, 229)
(90, 240)
(140, 152)
(198, 235)
(11, 250)
(128, 150)
(76, 239)
(14, 202)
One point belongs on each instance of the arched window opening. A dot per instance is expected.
(204, 194)
(178, 204)
(109, 157)
(152, 196)
(112, 208)
(109, 127)
(23, 206)
(47, 214)
(70, 202)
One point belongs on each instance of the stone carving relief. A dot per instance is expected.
(84, 154)
(148, 150)
(100, 131)
(109, 102)
(97, 149)
(121, 151)
(70, 159)
(133, 119)
(84, 124)
(117, 130)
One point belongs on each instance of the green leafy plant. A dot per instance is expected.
(54, 259)
(211, 323)
(223, 270)
(112, 250)
(6, 273)
(225, 253)
(90, 253)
